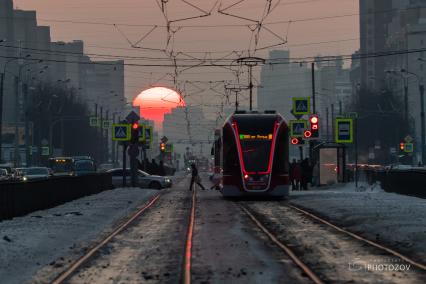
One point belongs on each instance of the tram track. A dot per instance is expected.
(98, 260)
(324, 251)
(63, 277)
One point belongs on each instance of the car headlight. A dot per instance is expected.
(24, 178)
(167, 180)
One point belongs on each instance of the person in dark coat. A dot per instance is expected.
(292, 180)
(195, 178)
(297, 175)
(161, 169)
(306, 173)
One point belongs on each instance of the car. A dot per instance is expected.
(83, 167)
(33, 173)
(4, 175)
(145, 180)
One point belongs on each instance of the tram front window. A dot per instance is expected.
(256, 154)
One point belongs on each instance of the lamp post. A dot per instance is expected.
(2, 80)
(422, 111)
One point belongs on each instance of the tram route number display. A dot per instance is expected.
(255, 137)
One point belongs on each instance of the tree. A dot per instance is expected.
(56, 109)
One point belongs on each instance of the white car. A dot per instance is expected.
(145, 180)
(34, 173)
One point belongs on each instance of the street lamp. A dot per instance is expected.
(422, 111)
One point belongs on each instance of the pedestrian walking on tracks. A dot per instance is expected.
(195, 178)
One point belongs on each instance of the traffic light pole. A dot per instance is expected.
(312, 142)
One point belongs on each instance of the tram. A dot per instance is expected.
(251, 150)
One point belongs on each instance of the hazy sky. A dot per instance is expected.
(340, 33)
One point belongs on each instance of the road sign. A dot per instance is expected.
(132, 117)
(409, 148)
(169, 148)
(344, 130)
(141, 132)
(94, 121)
(408, 139)
(298, 127)
(106, 124)
(302, 106)
(164, 139)
(121, 132)
(45, 151)
(148, 136)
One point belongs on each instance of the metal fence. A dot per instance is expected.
(403, 181)
(20, 198)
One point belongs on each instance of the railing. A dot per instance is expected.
(20, 198)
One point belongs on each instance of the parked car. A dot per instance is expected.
(33, 173)
(145, 180)
(4, 175)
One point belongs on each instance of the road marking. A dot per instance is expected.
(74, 267)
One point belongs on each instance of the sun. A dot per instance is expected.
(155, 102)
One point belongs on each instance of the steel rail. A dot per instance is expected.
(360, 238)
(188, 246)
(285, 248)
(79, 262)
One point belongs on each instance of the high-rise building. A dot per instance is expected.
(375, 15)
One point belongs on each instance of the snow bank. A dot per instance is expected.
(31, 242)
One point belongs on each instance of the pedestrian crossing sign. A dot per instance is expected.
(302, 106)
(298, 127)
(408, 148)
(121, 132)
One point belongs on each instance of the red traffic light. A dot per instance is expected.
(135, 125)
(294, 141)
(307, 134)
(402, 146)
(314, 119)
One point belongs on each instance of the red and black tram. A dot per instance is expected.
(252, 151)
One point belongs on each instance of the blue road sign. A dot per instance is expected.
(301, 106)
(344, 130)
(121, 132)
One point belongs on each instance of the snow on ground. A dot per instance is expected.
(396, 220)
(31, 242)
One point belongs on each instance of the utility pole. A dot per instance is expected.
(2, 79)
(250, 62)
(236, 89)
(313, 87)
(422, 121)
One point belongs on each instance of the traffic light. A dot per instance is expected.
(402, 146)
(307, 134)
(297, 141)
(314, 122)
(162, 147)
(134, 138)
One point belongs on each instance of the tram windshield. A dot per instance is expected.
(255, 135)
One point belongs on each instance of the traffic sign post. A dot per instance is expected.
(302, 106)
(297, 127)
(94, 121)
(121, 132)
(169, 148)
(344, 130)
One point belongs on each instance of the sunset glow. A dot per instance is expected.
(155, 102)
